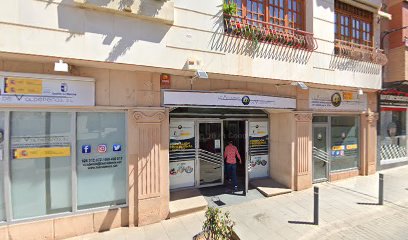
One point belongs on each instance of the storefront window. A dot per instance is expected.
(101, 159)
(2, 202)
(393, 137)
(40, 163)
(344, 142)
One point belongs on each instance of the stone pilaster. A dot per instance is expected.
(148, 166)
(303, 151)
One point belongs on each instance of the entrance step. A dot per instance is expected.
(269, 188)
(185, 202)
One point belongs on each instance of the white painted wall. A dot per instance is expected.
(60, 28)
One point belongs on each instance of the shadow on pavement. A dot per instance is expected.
(301, 223)
(373, 204)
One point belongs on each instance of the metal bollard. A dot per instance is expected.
(316, 206)
(381, 190)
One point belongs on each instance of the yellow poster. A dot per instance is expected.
(352, 147)
(26, 153)
(347, 96)
(337, 148)
(22, 86)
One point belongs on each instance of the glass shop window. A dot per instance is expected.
(40, 162)
(2, 202)
(344, 143)
(101, 159)
(393, 134)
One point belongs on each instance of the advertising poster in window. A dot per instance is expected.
(258, 149)
(182, 154)
(31, 147)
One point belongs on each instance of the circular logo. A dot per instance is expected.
(180, 127)
(336, 99)
(246, 100)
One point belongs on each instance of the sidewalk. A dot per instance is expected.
(347, 211)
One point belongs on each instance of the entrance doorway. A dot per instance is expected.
(235, 131)
(320, 153)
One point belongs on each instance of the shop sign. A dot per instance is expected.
(259, 149)
(183, 98)
(336, 100)
(393, 100)
(46, 91)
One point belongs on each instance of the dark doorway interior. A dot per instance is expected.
(235, 131)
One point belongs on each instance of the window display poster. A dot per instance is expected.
(258, 136)
(31, 147)
(181, 174)
(259, 149)
(258, 166)
(181, 135)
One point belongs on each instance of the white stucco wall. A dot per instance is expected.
(61, 29)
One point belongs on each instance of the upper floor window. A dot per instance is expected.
(353, 24)
(287, 13)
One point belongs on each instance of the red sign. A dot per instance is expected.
(165, 80)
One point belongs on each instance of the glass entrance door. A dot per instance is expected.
(210, 153)
(320, 153)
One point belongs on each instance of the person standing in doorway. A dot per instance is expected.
(230, 154)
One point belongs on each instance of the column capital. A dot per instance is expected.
(149, 116)
(303, 117)
(372, 117)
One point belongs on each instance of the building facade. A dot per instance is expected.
(393, 97)
(293, 83)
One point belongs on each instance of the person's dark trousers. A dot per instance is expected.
(232, 173)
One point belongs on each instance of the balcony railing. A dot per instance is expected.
(265, 32)
(360, 52)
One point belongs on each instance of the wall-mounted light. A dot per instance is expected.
(360, 92)
(200, 74)
(60, 66)
(301, 85)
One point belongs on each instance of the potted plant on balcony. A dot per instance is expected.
(229, 9)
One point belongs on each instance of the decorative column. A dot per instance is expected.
(148, 142)
(303, 151)
(368, 142)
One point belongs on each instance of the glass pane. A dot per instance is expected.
(320, 119)
(320, 155)
(2, 203)
(101, 159)
(209, 153)
(344, 143)
(393, 132)
(40, 163)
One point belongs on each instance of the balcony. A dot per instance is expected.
(360, 52)
(268, 33)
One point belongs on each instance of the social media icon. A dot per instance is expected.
(117, 147)
(102, 148)
(86, 148)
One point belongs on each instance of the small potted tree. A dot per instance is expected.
(217, 226)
